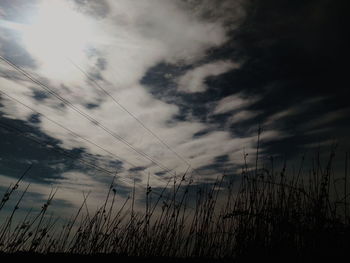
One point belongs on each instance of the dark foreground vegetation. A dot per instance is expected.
(268, 212)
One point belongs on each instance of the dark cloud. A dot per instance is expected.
(48, 158)
(221, 164)
(137, 169)
(39, 95)
(221, 158)
(116, 164)
(291, 53)
(12, 75)
(34, 119)
(160, 173)
(91, 106)
(97, 9)
(101, 63)
(228, 12)
(201, 133)
(293, 56)
(17, 10)
(294, 52)
(164, 88)
(12, 49)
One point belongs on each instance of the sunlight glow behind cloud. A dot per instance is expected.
(57, 32)
(140, 35)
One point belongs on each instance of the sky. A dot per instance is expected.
(150, 89)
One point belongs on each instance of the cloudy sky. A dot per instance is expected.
(157, 87)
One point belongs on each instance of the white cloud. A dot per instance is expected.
(280, 115)
(134, 36)
(302, 107)
(326, 120)
(194, 80)
(243, 116)
(233, 102)
(71, 188)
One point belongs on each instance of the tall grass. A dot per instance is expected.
(265, 212)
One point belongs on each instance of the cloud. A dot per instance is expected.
(191, 71)
(228, 12)
(280, 115)
(300, 109)
(2, 12)
(16, 10)
(73, 184)
(233, 102)
(243, 116)
(327, 119)
(71, 188)
(98, 9)
(129, 40)
(11, 49)
(194, 80)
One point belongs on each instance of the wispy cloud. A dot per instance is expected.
(243, 115)
(234, 102)
(194, 80)
(132, 37)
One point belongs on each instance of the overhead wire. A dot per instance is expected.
(67, 129)
(67, 154)
(85, 115)
(189, 165)
(129, 112)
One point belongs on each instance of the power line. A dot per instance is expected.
(133, 116)
(85, 115)
(52, 147)
(67, 154)
(130, 113)
(91, 119)
(67, 129)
